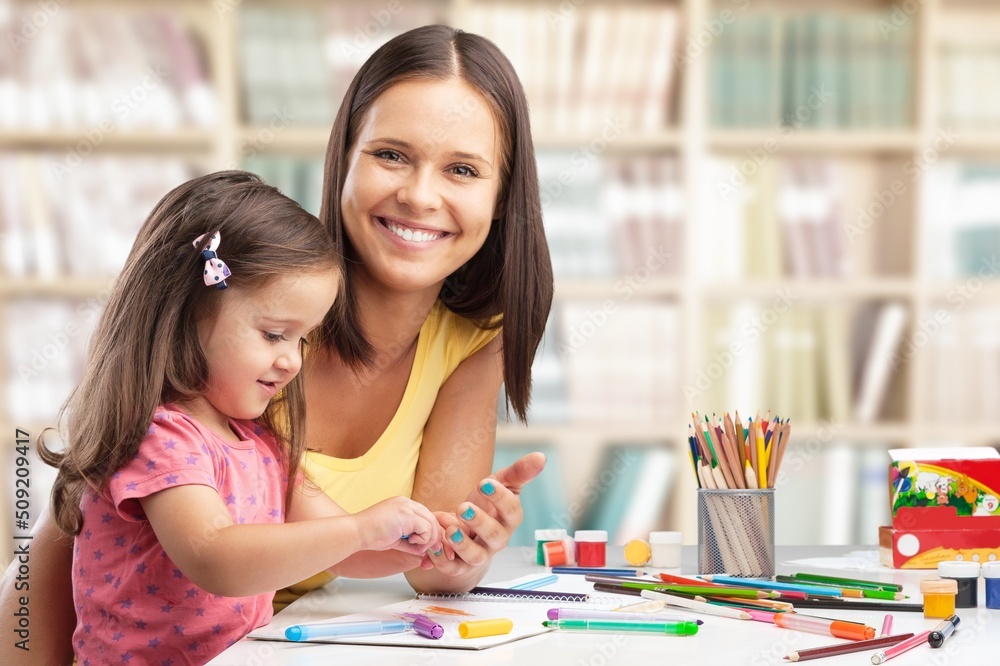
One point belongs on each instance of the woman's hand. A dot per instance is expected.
(482, 525)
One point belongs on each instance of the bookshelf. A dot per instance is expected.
(891, 266)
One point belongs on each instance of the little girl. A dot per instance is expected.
(187, 428)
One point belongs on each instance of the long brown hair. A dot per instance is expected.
(145, 350)
(511, 275)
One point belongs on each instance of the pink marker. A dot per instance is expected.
(900, 648)
(886, 625)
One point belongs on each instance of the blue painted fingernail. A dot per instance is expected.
(457, 537)
(437, 552)
(468, 514)
(488, 488)
(405, 536)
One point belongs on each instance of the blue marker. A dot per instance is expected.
(536, 583)
(305, 632)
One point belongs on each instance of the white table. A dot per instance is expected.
(720, 641)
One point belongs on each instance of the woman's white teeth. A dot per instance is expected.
(411, 235)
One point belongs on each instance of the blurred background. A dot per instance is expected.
(785, 206)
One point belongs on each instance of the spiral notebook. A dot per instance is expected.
(526, 609)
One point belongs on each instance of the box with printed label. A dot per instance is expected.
(944, 506)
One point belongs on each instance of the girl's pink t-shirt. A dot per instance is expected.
(133, 604)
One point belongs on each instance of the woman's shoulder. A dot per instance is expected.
(458, 335)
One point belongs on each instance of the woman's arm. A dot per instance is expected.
(49, 595)
(455, 458)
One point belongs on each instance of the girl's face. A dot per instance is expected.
(422, 183)
(254, 344)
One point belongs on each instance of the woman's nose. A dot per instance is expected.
(419, 191)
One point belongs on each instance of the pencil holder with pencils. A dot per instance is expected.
(736, 467)
(736, 532)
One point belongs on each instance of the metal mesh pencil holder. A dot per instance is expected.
(736, 532)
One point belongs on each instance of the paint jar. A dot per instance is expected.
(666, 550)
(559, 553)
(591, 547)
(637, 552)
(543, 537)
(991, 572)
(966, 574)
(939, 597)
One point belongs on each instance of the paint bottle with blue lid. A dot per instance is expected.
(991, 572)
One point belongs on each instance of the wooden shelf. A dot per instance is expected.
(69, 287)
(596, 288)
(786, 140)
(811, 288)
(309, 141)
(61, 140)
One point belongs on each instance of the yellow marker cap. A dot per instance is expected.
(637, 552)
(480, 628)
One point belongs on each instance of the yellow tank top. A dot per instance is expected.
(389, 467)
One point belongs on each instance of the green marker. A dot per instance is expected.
(697, 590)
(670, 628)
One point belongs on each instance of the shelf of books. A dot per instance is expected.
(780, 206)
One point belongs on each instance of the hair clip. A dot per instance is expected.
(216, 270)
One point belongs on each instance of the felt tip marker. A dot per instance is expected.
(943, 631)
(668, 628)
(305, 632)
(899, 648)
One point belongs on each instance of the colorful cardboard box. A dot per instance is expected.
(944, 505)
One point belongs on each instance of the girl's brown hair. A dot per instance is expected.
(511, 275)
(146, 351)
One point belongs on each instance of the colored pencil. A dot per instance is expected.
(846, 648)
(762, 584)
(697, 606)
(850, 592)
(736, 593)
(848, 582)
(601, 571)
(840, 603)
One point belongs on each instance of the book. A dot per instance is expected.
(881, 361)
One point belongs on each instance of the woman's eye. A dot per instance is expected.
(273, 337)
(464, 170)
(388, 155)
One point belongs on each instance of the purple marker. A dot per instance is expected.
(424, 626)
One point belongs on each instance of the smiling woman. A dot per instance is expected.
(421, 191)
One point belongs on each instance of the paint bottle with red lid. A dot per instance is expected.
(591, 547)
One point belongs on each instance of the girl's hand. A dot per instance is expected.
(399, 523)
(483, 524)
